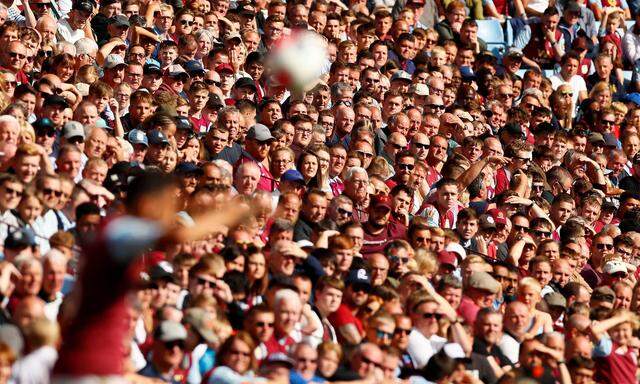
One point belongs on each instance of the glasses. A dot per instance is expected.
(20, 56)
(539, 233)
(505, 95)
(431, 41)
(367, 360)
(603, 246)
(51, 132)
(344, 212)
(423, 239)
(365, 154)
(421, 145)
(11, 191)
(619, 275)
(172, 344)
(380, 334)
(436, 106)
(212, 82)
(45, 53)
(133, 54)
(523, 159)
(408, 167)
(401, 332)
(305, 360)
(239, 353)
(501, 278)
(520, 228)
(264, 324)
(607, 122)
(186, 22)
(622, 252)
(76, 140)
(428, 315)
(399, 260)
(206, 283)
(565, 94)
(396, 145)
(49, 192)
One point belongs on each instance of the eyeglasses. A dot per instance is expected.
(423, 239)
(49, 132)
(619, 275)
(49, 191)
(206, 283)
(523, 159)
(367, 360)
(344, 212)
(396, 145)
(45, 53)
(421, 145)
(539, 233)
(501, 278)
(11, 191)
(76, 140)
(436, 106)
(565, 94)
(428, 315)
(186, 22)
(172, 344)
(520, 228)
(603, 246)
(607, 122)
(380, 334)
(365, 154)
(264, 324)
(239, 353)
(408, 167)
(399, 260)
(401, 331)
(622, 252)
(304, 360)
(505, 95)
(14, 55)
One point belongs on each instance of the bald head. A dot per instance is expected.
(28, 309)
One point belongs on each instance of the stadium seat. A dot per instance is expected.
(492, 33)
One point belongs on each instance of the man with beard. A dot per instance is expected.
(341, 210)
(379, 230)
(403, 166)
(314, 209)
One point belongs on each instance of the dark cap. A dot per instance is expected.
(162, 271)
(83, 6)
(224, 67)
(381, 201)
(150, 69)
(55, 100)
(187, 168)
(193, 67)
(43, 124)
(120, 21)
(292, 175)
(20, 238)
(157, 137)
(358, 277)
(214, 101)
(596, 137)
(486, 222)
(572, 7)
(245, 82)
(183, 123)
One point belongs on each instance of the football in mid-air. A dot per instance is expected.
(298, 60)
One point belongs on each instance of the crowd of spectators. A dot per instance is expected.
(434, 208)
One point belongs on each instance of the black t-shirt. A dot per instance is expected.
(630, 183)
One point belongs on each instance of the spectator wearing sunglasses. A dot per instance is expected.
(168, 351)
(11, 191)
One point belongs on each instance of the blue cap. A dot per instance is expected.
(183, 123)
(193, 66)
(151, 68)
(157, 137)
(187, 167)
(137, 136)
(466, 72)
(633, 98)
(292, 175)
(20, 238)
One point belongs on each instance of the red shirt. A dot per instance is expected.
(342, 317)
(376, 243)
(267, 181)
(468, 310)
(617, 368)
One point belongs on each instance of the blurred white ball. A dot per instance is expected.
(298, 60)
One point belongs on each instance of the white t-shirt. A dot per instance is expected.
(421, 348)
(67, 33)
(576, 83)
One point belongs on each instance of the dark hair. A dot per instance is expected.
(86, 209)
(147, 184)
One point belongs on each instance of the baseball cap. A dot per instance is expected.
(157, 137)
(289, 248)
(232, 36)
(193, 67)
(603, 293)
(176, 70)
(449, 258)
(596, 137)
(245, 82)
(555, 299)
(201, 320)
(170, 331)
(419, 89)
(137, 136)
(615, 266)
(358, 277)
(292, 175)
(224, 67)
(161, 271)
(457, 249)
(401, 75)
(183, 123)
(380, 201)
(498, 216)
(73, 129)
(55, 100)
(259, 132)
(120, 21)
(633, 98)
(186, 168)
(83, 6)
(486, 221)
(20, 238)
(151, 68)
(514, 52)
(484, 282)
(279, 358)
(43, 124)
(113, 61)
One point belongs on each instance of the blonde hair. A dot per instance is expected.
(531, 283)
(426, 262)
